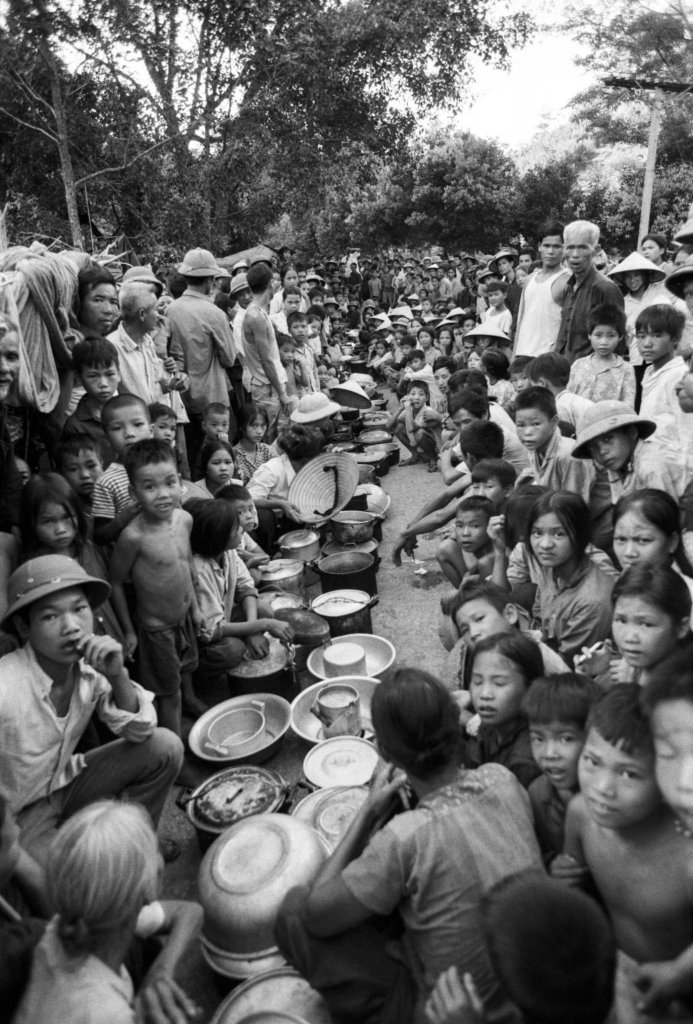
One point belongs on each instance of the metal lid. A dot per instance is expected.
(234, 794)
(340, 602)
(298, 539)
(341, 761)
(281, 569)
(331, 811)
(332, 547)
(282, 990)
(308, 627)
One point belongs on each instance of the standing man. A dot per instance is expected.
(203, 332)
(265, 377)
(585, 289)
(539, 315)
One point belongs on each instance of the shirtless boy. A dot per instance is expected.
(620, 829)
(154, 551)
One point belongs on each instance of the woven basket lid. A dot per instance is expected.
(324, 486)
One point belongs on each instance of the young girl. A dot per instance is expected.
(215, 466)
(474, 360)
(444, 341)
(52, 522)
(604, 374)
(503, 667)
(251, 451)
(497, 369)
(424, 341)
(103, 880)
(573, 593)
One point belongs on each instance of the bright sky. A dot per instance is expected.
(511, 105)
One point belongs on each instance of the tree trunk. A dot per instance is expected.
(63, 146)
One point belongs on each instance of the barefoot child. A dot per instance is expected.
(470, 552)
(125, 419)
(154, 550)
(623, 833)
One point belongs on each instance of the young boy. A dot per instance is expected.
(620, 830)
(669, 702)
(556, 707)
(470, 553)
(551, 370)
(604, 374)
(658, 331)
(296, 373)
(498, 313)
(495, 480)
(549, 453)
(299, 330)
(518, 373)
(249, 550)
(216, 421)
(410, 426)
(96, 366)
(79, 460)
(125, 419)
(154, 551)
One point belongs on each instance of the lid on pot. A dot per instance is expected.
(258, 668)
(331, 811)
(308, 627)
(282, 569)
(324, 486)
(369, 458)
(234, 794)
(282, 599)
(340, 602)
(333, 547)
(298, 539)
(341, 761)
(283, 990)
(346, 562)
(375, 437)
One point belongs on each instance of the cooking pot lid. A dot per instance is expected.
(375, 437)
(283, 990)
(346, 561)
(248, 857)
(234, 794)
(308, 627)
(259, 668)
(331, 811)
(281, 569)
(369, 458)
(282, 599)
(333, 547)
(298, 538)
(324, 486)
(341, 761)
(340, 602)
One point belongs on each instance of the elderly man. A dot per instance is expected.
(585, 289)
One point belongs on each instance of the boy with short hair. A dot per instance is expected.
(556, 707)
(604, 374)
(216, 421)
(518, 373)
(498, 313)
(154, 551)
(79, 460)
(620, 830)
(95, 363)
(410, 424)
(125, 419)
(551, 370)
(299, 330)
(471, 550)
(241, 501)
(495, 480)
(296, 373)
(658, 331)
(549, 453)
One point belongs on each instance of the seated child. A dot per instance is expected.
(414, 363)
(251, 450)
(518, 373)
(620, 830)
(496, 367)
(470, 553)
(552, 370)
(215, 466)
(495, 480)
(556, 707)
(249, 550)
(95, 363)
(125, 419)
(380, 360)
(78, 459)
(549, 453)
(153, 551)
(410, 426)
(604, 374)
(503, 666)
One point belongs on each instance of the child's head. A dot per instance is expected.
(557, 708)
(668, 699)
(471, 523)
(647, 528)
(424, 338)
(418, 392)
(480, 439)
(254, 423)
(216, 527)
(503, 667)
(495, 364)
(164, 423)
(495, 479)
(301, 443)
(519, 376)
(297, 323)
(518, 510)
(292, 299)
(474, 361)
(416, 723)
(658, 330)
(616, 767)
(240, 499)
(95, 363)
(80, 461)
(125, 419)
(481, 609)
(287, 349)
(606, 326)
(216, 421)
(380, 347)
(496, 292)
(549, 370)
(535, 417)
(51, 517)
(466, 406)
(552, 949)
(153, 475)
(652, 610)
(215, 463)
(103, 868)
(558, 530)
(416, 360)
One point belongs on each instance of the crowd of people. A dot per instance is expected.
(525, 852)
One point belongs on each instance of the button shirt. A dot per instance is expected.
(204, 334)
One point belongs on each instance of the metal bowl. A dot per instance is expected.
(309, 728)
(352, 527)
(281, 990)
(380, 654)
(376, 418)
(245, 875)
(377, 499)
(391, 450)
(205, 742)
(330, 811)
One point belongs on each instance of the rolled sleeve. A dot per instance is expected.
(135, 726)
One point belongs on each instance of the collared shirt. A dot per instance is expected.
(509, 746)
(204, 334)
(549, 811)
(576, 613)
(579, 299)
(36, 746)
(272, 477)
(660, 403)
(557, 469)
(83, 422)
(222, 586)
(571, 407)
(597, 382)
(649, 467)
(141, 371)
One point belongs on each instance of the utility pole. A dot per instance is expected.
(658, 88)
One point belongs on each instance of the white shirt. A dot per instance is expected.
(539, 315)
(272, 477)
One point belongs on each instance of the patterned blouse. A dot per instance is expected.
(246, 464)
(613, 382)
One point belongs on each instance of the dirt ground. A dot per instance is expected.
(407, 614)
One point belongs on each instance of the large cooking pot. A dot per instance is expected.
(372, 436)
(353, 569)
(230, 796)
(346, 611)
(348, 415)
(310, 631)
(375, 418)
(352, 527)
(391, 450)
(300, 545)
(245, 875)
(271, 674)
(284, 574)
(378, 461)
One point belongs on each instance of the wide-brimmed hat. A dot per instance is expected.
(239, 283)
(401, 311)
(369, 304)
(636, 263)
(324, 486)
(677, 278)
(486, 330)
(329, 300)
(198, 263)
(685, 234)
(384, 325)
(604, 417)
(509, 253)
(351, 395)
(144, 275)
(238, 266)
(486, 272)
(313, 407)
(46, 575)
(221, 273)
